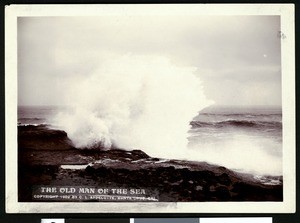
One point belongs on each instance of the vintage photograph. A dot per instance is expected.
(151, 108)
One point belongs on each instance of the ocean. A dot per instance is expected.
(242, 138)
(245, 139)
(36, 115)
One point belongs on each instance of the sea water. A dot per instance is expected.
(36, 115)
(247, 139)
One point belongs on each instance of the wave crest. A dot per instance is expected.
(237, 123)
(134, 102)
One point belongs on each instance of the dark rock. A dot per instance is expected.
(42, 138)
(154, 159)
(39, 160)
(222, 193)
(103, 172)
(248, 192)
(199, 196)
(222, 168)
(224, 179)
(139, 154)
(212, 188)
(89, 170)
(175, 177)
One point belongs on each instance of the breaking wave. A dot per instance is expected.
(134, 102)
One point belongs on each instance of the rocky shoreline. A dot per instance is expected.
(47, 158)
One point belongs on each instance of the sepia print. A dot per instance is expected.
(149, 108)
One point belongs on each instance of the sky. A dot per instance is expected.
(237, 58)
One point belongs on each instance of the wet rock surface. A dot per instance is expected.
(175, 180)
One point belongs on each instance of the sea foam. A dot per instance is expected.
(134, 102)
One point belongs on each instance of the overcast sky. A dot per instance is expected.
(237, 57)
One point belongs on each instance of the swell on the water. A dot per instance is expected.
(246, 139)
(134, 102)
(237, 123)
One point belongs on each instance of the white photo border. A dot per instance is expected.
(285, 11)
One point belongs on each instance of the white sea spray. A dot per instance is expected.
(134, 102)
